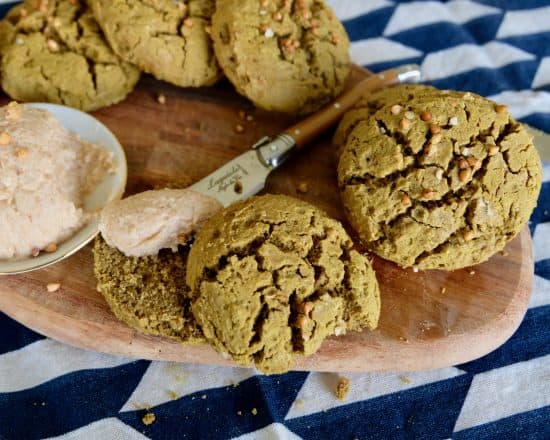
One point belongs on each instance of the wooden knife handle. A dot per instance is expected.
(306, 130)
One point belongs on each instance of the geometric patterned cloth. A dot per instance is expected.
(499, 49)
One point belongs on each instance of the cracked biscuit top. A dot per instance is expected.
(273, 276)
(169, 39)
(288, 56)
(147, 293)
(436, 179)
(54, 51)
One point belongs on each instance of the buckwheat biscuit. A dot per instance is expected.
(289, 56)
(273, 276)
(57, 53)
(168, 38)
(147, 293)
(439, 181)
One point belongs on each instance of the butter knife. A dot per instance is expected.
(246, 175)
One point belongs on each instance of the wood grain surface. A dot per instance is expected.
(429, 319)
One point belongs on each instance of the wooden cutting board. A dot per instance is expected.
(429, 319)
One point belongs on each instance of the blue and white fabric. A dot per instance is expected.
(499, 49)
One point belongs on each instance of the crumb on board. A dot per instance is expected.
(148, 418)
(254, 411)
(504, 253)
(239, 128)
(161, 98)
(239, 413)
(52, 247)
(405, 380)
(173, 395)
(342, 388)
(53, 287)
(443, 290)
(472, 272)
(303, 187)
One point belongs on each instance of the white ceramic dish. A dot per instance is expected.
(111, 188)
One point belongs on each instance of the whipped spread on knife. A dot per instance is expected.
(45, 172)
(152, 220)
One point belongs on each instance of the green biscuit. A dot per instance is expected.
(169, 39)
(59, 55)
(147, 293)
(436, 179)
(288, 57)
(272, 277)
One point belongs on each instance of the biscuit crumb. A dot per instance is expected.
(254, 411)
(21, 153)
(161, 98)
(472, 272)
(443, 290)
(52, 247)
(148, 419)
(396, 109)
(239, 413)
(299, 403)
(13, 111)
(173, 395)
(53, 287)
(239, 128)
(5, 139)
(468, 235)
(428, 193)
(426, 116)
(405, 124)
(504, 253)
(405, 380)
(342, 388)
(52, 45)
(303, 187)
(405, 199)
